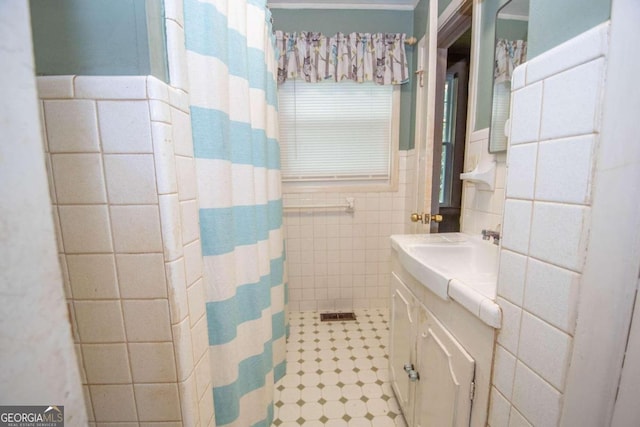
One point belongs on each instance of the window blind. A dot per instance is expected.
(335, 131)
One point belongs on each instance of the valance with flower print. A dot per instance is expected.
(359, 57)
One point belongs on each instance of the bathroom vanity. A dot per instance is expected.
(443, 320)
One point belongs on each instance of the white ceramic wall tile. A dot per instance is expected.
(125, 126)
(545, 349)
(559, 234)
(152, 362)
(521, 171)
(78, 178)
(165, 158)
(552, 294)
(99, 321)
(183, 349)
(187, 183)
(571, 100)
(72, 126)
(141, 276)
(157, 402)
(88, 403)
(159, 111)
(58, 227)
(525, 114)
(190, 221)
(179, 98)
(206, 409)
(147, 320)
(131, 178)
(93, 276)
(519, 76)
(111, 87)
(511, 276)
(182, 133)
(508, 334)
(106, 363)
(200, 338)
(136, 229)
(85, 229)
(203, 375)
(177, 287)
(65, 276)
(193, 262)
(50, 180)
(583, 48)
(565, 170)
(176, 55)
(171, 229)
(517, 225)
(113, 403)
(156, 88)
(516, 419)
(498, 410)
(189, 402)
(535, 398)
(55, 87)
(196, 301)
(504, 371)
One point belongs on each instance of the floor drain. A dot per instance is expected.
(329, 317)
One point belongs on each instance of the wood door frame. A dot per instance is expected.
(450, 31)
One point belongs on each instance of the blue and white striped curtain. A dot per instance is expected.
(232, 75)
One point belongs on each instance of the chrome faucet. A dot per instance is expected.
(490, 234)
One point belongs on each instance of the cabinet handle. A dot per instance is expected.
(408, 367)
(413, 375)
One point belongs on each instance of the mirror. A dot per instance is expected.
(510, 50)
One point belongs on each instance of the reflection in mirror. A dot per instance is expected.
(510, 51)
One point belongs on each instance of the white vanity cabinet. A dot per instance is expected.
(439, 355)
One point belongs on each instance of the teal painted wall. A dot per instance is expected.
(553, 22)
(329, 21)
(420, 19)
(442, 5)
(511, 29)
(99, 37)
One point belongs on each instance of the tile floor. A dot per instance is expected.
(337, 373)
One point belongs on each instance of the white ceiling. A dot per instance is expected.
(343, 4)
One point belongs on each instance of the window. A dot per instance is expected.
(336, 135)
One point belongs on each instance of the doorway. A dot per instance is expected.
(452, 137)
(452, 83)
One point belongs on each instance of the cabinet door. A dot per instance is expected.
(401, 341)
(446, 372)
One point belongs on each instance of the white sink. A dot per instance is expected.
(453, 265)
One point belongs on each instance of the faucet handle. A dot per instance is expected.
(490, 234)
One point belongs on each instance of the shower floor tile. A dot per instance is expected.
(337, 373)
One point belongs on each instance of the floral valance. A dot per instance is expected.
(360, 57)
(509, 54)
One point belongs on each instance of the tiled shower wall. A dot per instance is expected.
(122, 179)
(554, 132)
(339, 260)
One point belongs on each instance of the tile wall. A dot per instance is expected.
(122, 179)
(339, 260)
(482, 208)
(554, 132)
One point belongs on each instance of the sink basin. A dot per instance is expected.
(452, 265)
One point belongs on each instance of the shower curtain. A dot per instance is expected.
(232, 71)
